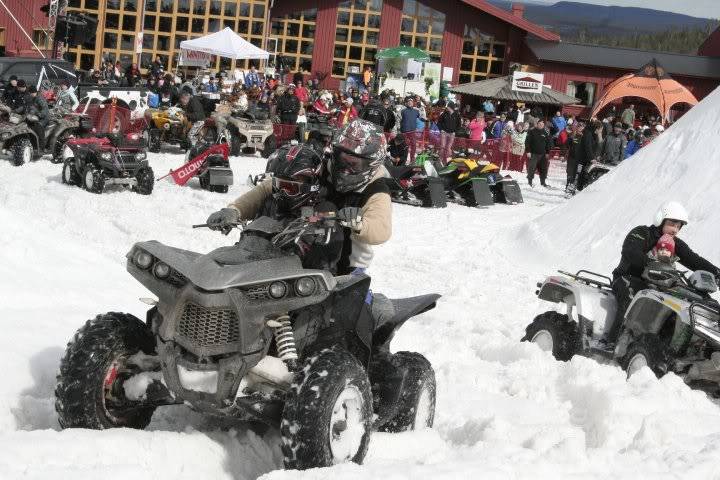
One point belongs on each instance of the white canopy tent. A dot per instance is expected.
(225, 43)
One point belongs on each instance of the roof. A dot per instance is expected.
(623, 58)
(711, 46)
(501, 89)
(519, 22)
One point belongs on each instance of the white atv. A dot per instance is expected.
(672, 326)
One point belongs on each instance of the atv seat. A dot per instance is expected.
(388, 311)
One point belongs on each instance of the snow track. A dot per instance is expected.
(504, 409)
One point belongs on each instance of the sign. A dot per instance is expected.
(193, 58)
(139, 42)
(447, 73)
(528, 82)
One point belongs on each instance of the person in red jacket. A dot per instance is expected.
(302, 93)
(347, 113)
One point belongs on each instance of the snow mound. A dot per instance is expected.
(683, 164)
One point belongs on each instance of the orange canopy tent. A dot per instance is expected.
(651, 82)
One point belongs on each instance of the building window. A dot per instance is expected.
(422, 27)
(42, 39)
(295, 34)
(356, 36)
(482, 56)
(584, 91)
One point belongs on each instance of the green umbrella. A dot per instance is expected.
(403, 52)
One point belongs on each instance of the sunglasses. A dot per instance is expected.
(292, 188)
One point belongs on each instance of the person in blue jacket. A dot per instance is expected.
(634, 145)
(559, 123)
(499, 126)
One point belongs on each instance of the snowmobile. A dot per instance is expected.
(416, 185)
(109, 156)
(597, 170)
(210, 164)
(245, 332)
(477, 183)
(247, 131)
(18, 142)
(672, 326)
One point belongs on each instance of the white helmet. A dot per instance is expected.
(672, 211)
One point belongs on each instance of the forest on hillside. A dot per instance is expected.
(678, 40)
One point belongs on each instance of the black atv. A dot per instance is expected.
(245, 332)
(18, 142)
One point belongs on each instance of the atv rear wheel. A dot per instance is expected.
(154, 141)
(57, 153)
(145, 181)
(416, 406)
(93, 179)
(646, 351)
(22, 151)
(270, 145)
(70, 175)
(327, 417)
(89, 392)
(555, 333)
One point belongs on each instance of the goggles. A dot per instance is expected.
(292, 188)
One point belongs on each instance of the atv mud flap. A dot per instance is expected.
(508, 191)
(220, 176)
(476, 193)
(435, 195)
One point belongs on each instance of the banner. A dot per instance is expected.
(528, 82)
(183, 174)
(193, 58)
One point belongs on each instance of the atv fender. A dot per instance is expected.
(594, 308)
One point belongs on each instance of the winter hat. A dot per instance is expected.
(21, 83)
(349, 101)
(666, 242)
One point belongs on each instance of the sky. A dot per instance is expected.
(695, 8)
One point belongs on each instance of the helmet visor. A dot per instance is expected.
(349, 164)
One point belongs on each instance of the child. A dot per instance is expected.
(664, 250)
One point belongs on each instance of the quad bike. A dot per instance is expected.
(672, 326)
(167, 125)
(474, 182)
(246, 131)
(18, 142)
(210, 164)
(416, 184)
(114, 155)
(246, 333)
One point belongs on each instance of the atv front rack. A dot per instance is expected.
(600, 281)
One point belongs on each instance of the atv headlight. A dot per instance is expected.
(167, 126)
(67, 152)
(143, 259)
(161, 270)
(140, 156)
(106, 155)
(703, 319)
(278, 290)
(305, 286)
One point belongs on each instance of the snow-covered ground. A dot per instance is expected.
(504, 409)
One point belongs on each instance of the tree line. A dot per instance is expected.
(675, 40)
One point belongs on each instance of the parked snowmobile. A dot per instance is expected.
(246, 332)
(673, 326)
(475, 183)
(416, 185)
(597, 170)
(114, 155)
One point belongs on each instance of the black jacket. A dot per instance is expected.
(12, 97)
(35, 106)
(589, 145)
(449, 122)
(538, 141)
(376, 113)
(634, 257)
(288, 104)
(194, 110)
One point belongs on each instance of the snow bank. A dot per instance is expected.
(683, 164)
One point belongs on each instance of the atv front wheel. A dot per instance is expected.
(270, 145)
(22, 151)
(416, 406)
(145, 181)
(555, 333)
(646, 351)
(70, 175)
(327, 416)
(93, 179)
(89, 392)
